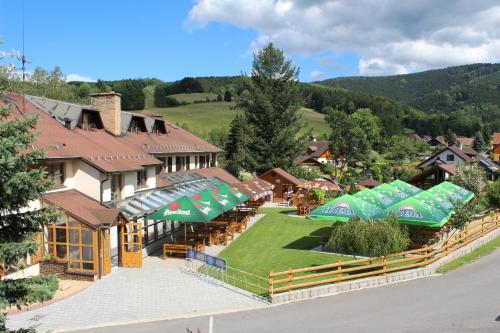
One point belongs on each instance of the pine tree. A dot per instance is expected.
(20, 184)
(479, 144)
(271, 109)
(238, 156)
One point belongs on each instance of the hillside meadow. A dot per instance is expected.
(202, 117)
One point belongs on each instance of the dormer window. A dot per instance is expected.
(89, 120)
(158, 128)
(137, 125)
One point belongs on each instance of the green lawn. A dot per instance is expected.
(278, 242)
(202, 117)
(470, 257)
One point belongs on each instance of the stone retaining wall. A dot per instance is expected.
(376, 281)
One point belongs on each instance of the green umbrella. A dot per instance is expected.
(344, 208)
(375, 198)
(391, 192)
(405, 187)
(459, 193)
(185, 210)
(212, 200)
(230, 193)
(443, 204)
(415, 212)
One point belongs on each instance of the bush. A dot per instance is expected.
(317, 195)
(369, 238)
(492, 195)
(27, 291)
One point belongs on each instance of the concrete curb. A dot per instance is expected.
(377, 281)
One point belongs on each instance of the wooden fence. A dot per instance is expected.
(354, 269)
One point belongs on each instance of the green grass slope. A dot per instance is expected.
(202, 117)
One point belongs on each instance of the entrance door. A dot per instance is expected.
(131, 244)
(105, 252)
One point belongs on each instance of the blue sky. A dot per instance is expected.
(171, 39)
(126, 39)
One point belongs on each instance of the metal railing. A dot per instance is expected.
(235, 279)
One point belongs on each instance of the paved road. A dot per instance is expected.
(466, 300)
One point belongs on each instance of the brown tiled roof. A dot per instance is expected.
(212, 172)
(449, 168)
(318, 147)
(496, 138)
(292, 179)
(150, 113)
(321, 185)
(369, 182)
(256, 188)
(97, 147)
(465, 141)
(83, 208)
(178, 140)
(219, 173)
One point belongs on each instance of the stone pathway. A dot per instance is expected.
(160, 289)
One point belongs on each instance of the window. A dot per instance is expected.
(169, 163)
(56, 172)
(180, 163)
(162, 166)
(142, 178)
(70, 241)
(202, 162)
(116, 187)
(450, 157)
(188, 162)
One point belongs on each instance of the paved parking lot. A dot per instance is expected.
(160, 289)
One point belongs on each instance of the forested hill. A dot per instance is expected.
(434, 90)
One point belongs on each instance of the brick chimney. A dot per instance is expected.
(110, 106)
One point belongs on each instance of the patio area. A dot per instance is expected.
(161, 289)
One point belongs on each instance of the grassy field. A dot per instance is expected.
(203, 117)
(278, 242)
(470, 257)
(194, 97)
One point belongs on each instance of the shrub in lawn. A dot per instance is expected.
(369, 238)
(317, 195)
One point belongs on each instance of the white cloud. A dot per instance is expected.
(77, 77)
(390, 36)
(316, 75)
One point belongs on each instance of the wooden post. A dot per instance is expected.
(289, 278)
(339, 269)
(482, 226)
(271, 283)
(385, 265)
(426, 253)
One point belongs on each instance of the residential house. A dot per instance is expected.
(284, 183)
(495, 152)
(318, 154)
(436, 142)
(443, 164)
(464, 142)
(110, 169)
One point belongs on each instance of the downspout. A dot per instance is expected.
(100, 187)
(99, 230)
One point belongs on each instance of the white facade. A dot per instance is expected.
(447, 156)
